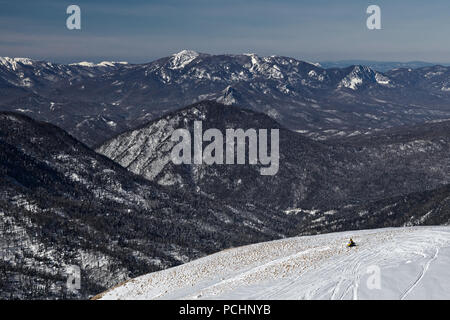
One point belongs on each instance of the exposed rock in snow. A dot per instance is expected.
(382, 79)
(360, 75)
(111, 63)
(12, 63)
(183, 58)
(83, 64)
(228, 96)
(354, 79)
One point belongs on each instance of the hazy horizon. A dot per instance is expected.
(140, 31)
(349, 60)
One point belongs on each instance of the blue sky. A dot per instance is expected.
(141, 31)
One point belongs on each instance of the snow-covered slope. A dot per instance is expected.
(101, 64)
(412, 264)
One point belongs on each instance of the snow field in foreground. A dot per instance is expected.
(394, 263)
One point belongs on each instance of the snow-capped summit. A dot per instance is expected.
(361, 75)
(12, 63)
(290, 90)
(101, 64)
(83, 64)
(317, 64)
(111, 63)
(255, 61)
(183, 58)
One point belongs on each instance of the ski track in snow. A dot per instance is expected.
(315, 267)
(422, 274)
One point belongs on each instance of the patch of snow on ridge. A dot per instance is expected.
(383, 80)
(227, 97)
(263, 66)
(313, 74)
(182, 59)
(411, 263)
(11, 63)
(317, 64)
(298, 210)
(110, 63)
(429, 75)
(255, 63)
(101, 64)
(355, 77)
(351, 82)
(83, 64)
(359, 74)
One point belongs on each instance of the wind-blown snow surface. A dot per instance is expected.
(413, 264)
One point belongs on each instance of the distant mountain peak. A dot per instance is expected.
(111, 63)
(300, 95)
(360, 75)
(228, 96)
(11, 63)
(183, 58)
(83, 64)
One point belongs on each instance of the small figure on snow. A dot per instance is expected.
(351, 243)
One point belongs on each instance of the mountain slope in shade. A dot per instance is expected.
(147, 151)
(412, 263)
(62, 204)
(95, 102)
(312, 175)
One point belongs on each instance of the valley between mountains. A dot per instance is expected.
(86, 177)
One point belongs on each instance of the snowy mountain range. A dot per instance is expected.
(63, 204)
(86, 177)
(94, 102)
(381, 66)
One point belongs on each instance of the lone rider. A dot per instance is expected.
(351, 243)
